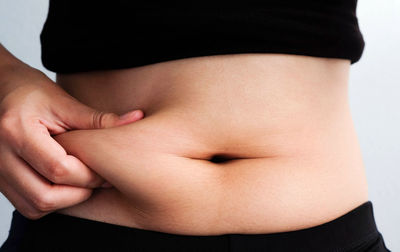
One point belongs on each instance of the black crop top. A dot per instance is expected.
(83, 35)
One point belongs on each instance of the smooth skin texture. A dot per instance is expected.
(284, 120)
(176, 194)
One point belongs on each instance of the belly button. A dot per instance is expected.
(220, 158)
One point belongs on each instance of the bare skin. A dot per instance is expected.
(283, 120)
(36, 174)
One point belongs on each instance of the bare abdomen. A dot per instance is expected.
(275, 130)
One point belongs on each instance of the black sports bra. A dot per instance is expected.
(97, 35)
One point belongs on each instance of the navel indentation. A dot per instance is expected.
(219, 158)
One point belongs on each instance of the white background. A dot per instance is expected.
(374, 94)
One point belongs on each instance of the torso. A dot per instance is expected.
(257, 106)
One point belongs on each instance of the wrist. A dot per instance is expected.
(13, 76)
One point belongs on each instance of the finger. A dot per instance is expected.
(49, 159)
(39, 192)
(19, 202)
(80, 116)
(107, 185)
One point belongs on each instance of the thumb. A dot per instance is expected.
(85, 117)
(101, 120)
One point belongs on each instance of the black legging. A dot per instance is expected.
(354, 231)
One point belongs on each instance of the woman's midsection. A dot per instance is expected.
(286, 118)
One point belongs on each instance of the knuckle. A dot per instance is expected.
(100, 119)
(43, 202)
(8, 124)
(33, 214)
(22, 148)
(56, 172)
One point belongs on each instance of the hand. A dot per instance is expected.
(36, 174)
(163, 188)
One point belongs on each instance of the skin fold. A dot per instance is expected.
(283, 122)
(165, 191)
(160, 185)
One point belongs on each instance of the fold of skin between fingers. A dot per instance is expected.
(137, 160)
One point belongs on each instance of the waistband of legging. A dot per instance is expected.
(344, 232)
(340, 234)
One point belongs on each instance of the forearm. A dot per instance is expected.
(13, 70)
(6, 58)
(173, 192)
(8, 63)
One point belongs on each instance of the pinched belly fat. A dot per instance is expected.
(168, 179)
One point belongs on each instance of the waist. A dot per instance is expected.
(265, 100)
(293, 109)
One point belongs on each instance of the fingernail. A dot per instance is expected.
(128, 115)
